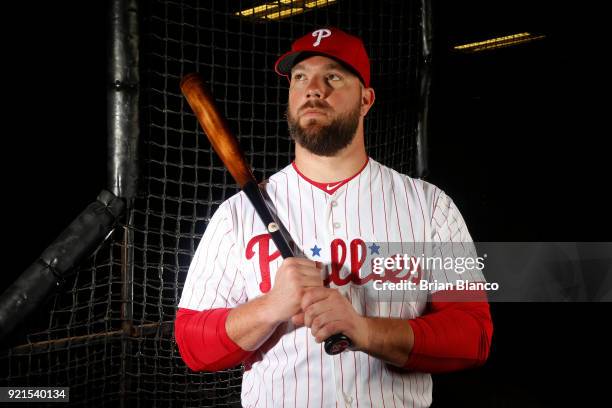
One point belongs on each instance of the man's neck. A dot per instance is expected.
(346, 163)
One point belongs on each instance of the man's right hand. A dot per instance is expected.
(292, 278)
(251, 324)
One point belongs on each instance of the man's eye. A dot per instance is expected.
(333, 77)
(298, 77)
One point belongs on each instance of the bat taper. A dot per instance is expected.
(227, 147)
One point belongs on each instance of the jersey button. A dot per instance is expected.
(334, 203)
(348, 399)
(337, 225)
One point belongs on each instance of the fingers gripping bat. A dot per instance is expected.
(228, 149)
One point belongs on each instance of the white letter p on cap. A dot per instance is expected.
(320, 34)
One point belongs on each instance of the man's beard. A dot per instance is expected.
(324, 140)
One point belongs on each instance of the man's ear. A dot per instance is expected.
(367, 100)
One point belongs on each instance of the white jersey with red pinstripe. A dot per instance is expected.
(236, 261)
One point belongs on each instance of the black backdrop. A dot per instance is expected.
(517, 142)
(514, 140)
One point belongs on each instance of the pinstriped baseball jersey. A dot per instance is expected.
(236, 261)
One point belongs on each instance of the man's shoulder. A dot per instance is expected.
(278, 182)
(427, 188)
(281, 175)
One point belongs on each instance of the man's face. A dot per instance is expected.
(325, 105)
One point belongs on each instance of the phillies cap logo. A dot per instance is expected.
(320, 34)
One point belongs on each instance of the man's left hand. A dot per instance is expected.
(327, 312)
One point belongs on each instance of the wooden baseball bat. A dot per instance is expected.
(228, 149)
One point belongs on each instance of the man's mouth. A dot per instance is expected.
(313, 112)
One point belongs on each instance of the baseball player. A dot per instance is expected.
(242, 303)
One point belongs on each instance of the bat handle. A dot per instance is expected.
(336, 343)
(252, 191)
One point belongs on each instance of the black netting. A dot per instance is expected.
(109, 349)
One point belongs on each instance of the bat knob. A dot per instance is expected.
(337, 344)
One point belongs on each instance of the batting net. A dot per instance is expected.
(109, 333)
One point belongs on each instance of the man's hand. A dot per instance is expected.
(251, 324)
(327, 312)
(294, 277)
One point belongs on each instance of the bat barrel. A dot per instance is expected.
(223, 142)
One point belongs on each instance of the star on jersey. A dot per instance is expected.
(316, 250)
(374, 249)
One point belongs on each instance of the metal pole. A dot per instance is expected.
(144, 330)
(422, 166)
(123, 99)
(123, 140)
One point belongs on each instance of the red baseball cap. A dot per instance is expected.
(330, 42)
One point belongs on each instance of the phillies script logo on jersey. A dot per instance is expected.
(356, 250)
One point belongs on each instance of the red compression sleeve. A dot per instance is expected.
(453, 335)
(203, 342)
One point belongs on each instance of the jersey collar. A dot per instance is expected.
(330, 188)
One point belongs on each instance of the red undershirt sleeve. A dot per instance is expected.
(453, 335)
(203, 341)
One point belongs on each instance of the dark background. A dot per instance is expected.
(514, 141)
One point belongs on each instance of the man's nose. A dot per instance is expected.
(316, 88)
